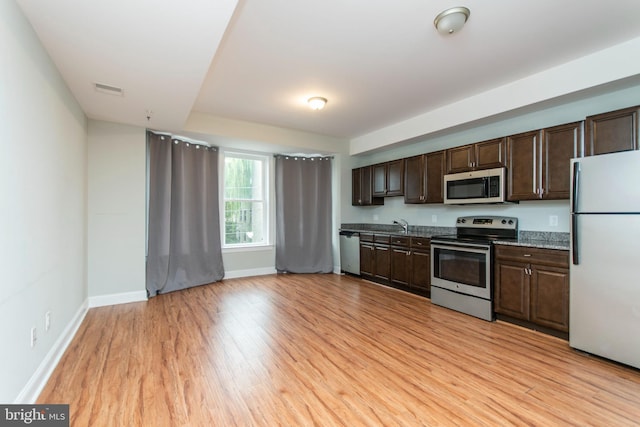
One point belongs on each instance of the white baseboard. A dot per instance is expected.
(248, 273)
(38, 380)
(113, 299)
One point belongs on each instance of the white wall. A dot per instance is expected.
(42, 208)
(116, 213)
(533, 215)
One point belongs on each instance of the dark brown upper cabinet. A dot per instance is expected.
(388, 178)
(362, 188)
(538, 162)
(423, 178)
(611, 132)
(481, 155)
(560, 144)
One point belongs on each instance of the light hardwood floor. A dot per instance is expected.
(326, 350)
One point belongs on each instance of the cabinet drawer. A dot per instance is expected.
(553, 257)
(420, 243)
(366, 237)
(382, 238)
(400, 240)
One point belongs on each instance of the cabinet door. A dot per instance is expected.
(421, 271)
(550, 297)
(523, 168)
(611, 132)
(356, 187)
(400, 265)
(382, 262)
(460, 159)
(559, 145)
(366, 184)
(512, 289)
(366, 260)
(414, 179)
(379, 172)
(395, 178)
(434, 186)
(490, 154)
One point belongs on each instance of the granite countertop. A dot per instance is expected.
(396, 230)
(561, 241)
(536, 239)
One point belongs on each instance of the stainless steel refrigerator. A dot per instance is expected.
(604, 312)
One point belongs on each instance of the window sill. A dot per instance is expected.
(247, 249)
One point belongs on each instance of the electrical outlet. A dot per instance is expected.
(47, 321)
(34, 337)
(434, 218)
(553, 220)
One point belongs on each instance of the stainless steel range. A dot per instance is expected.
(462, 264)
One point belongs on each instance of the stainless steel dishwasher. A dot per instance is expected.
(350, 252)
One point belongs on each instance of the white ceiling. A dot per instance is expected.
(378, 62)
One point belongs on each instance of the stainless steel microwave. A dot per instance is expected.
(483, 186)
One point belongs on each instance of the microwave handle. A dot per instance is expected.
(486, 186)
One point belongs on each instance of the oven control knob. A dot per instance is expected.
(510, 222)
(504, 221)
(464, 220)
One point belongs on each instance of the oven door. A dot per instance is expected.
(462, 267)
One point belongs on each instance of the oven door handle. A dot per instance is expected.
(453, 245)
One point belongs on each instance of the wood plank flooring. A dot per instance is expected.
(326, 350)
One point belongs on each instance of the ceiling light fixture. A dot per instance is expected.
(451, 20)
(317, 102)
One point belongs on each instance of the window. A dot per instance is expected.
(245, 192)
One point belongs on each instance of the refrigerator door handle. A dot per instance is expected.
(574, 239)
(576, 187)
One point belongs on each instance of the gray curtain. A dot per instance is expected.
(303, 214)
(183, 244)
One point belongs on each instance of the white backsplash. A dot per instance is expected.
(532, 215)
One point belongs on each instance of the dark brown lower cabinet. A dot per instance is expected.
(532, 288)
(421, 265)
(400, 261)
(375, 257)
(550, 297)
(367, 258)
(382, 269)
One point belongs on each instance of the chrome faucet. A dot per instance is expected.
(403, 223)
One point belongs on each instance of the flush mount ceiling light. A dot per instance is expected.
(316, 102)
(451, 20)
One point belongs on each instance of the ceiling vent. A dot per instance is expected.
(111, 90)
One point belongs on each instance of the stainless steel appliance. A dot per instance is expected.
(483, 186)
(604, 301)
(462, 264)
(350, 252)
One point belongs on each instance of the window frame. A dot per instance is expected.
(266, 199)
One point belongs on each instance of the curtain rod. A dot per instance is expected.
(183, 139)
(304, 156)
